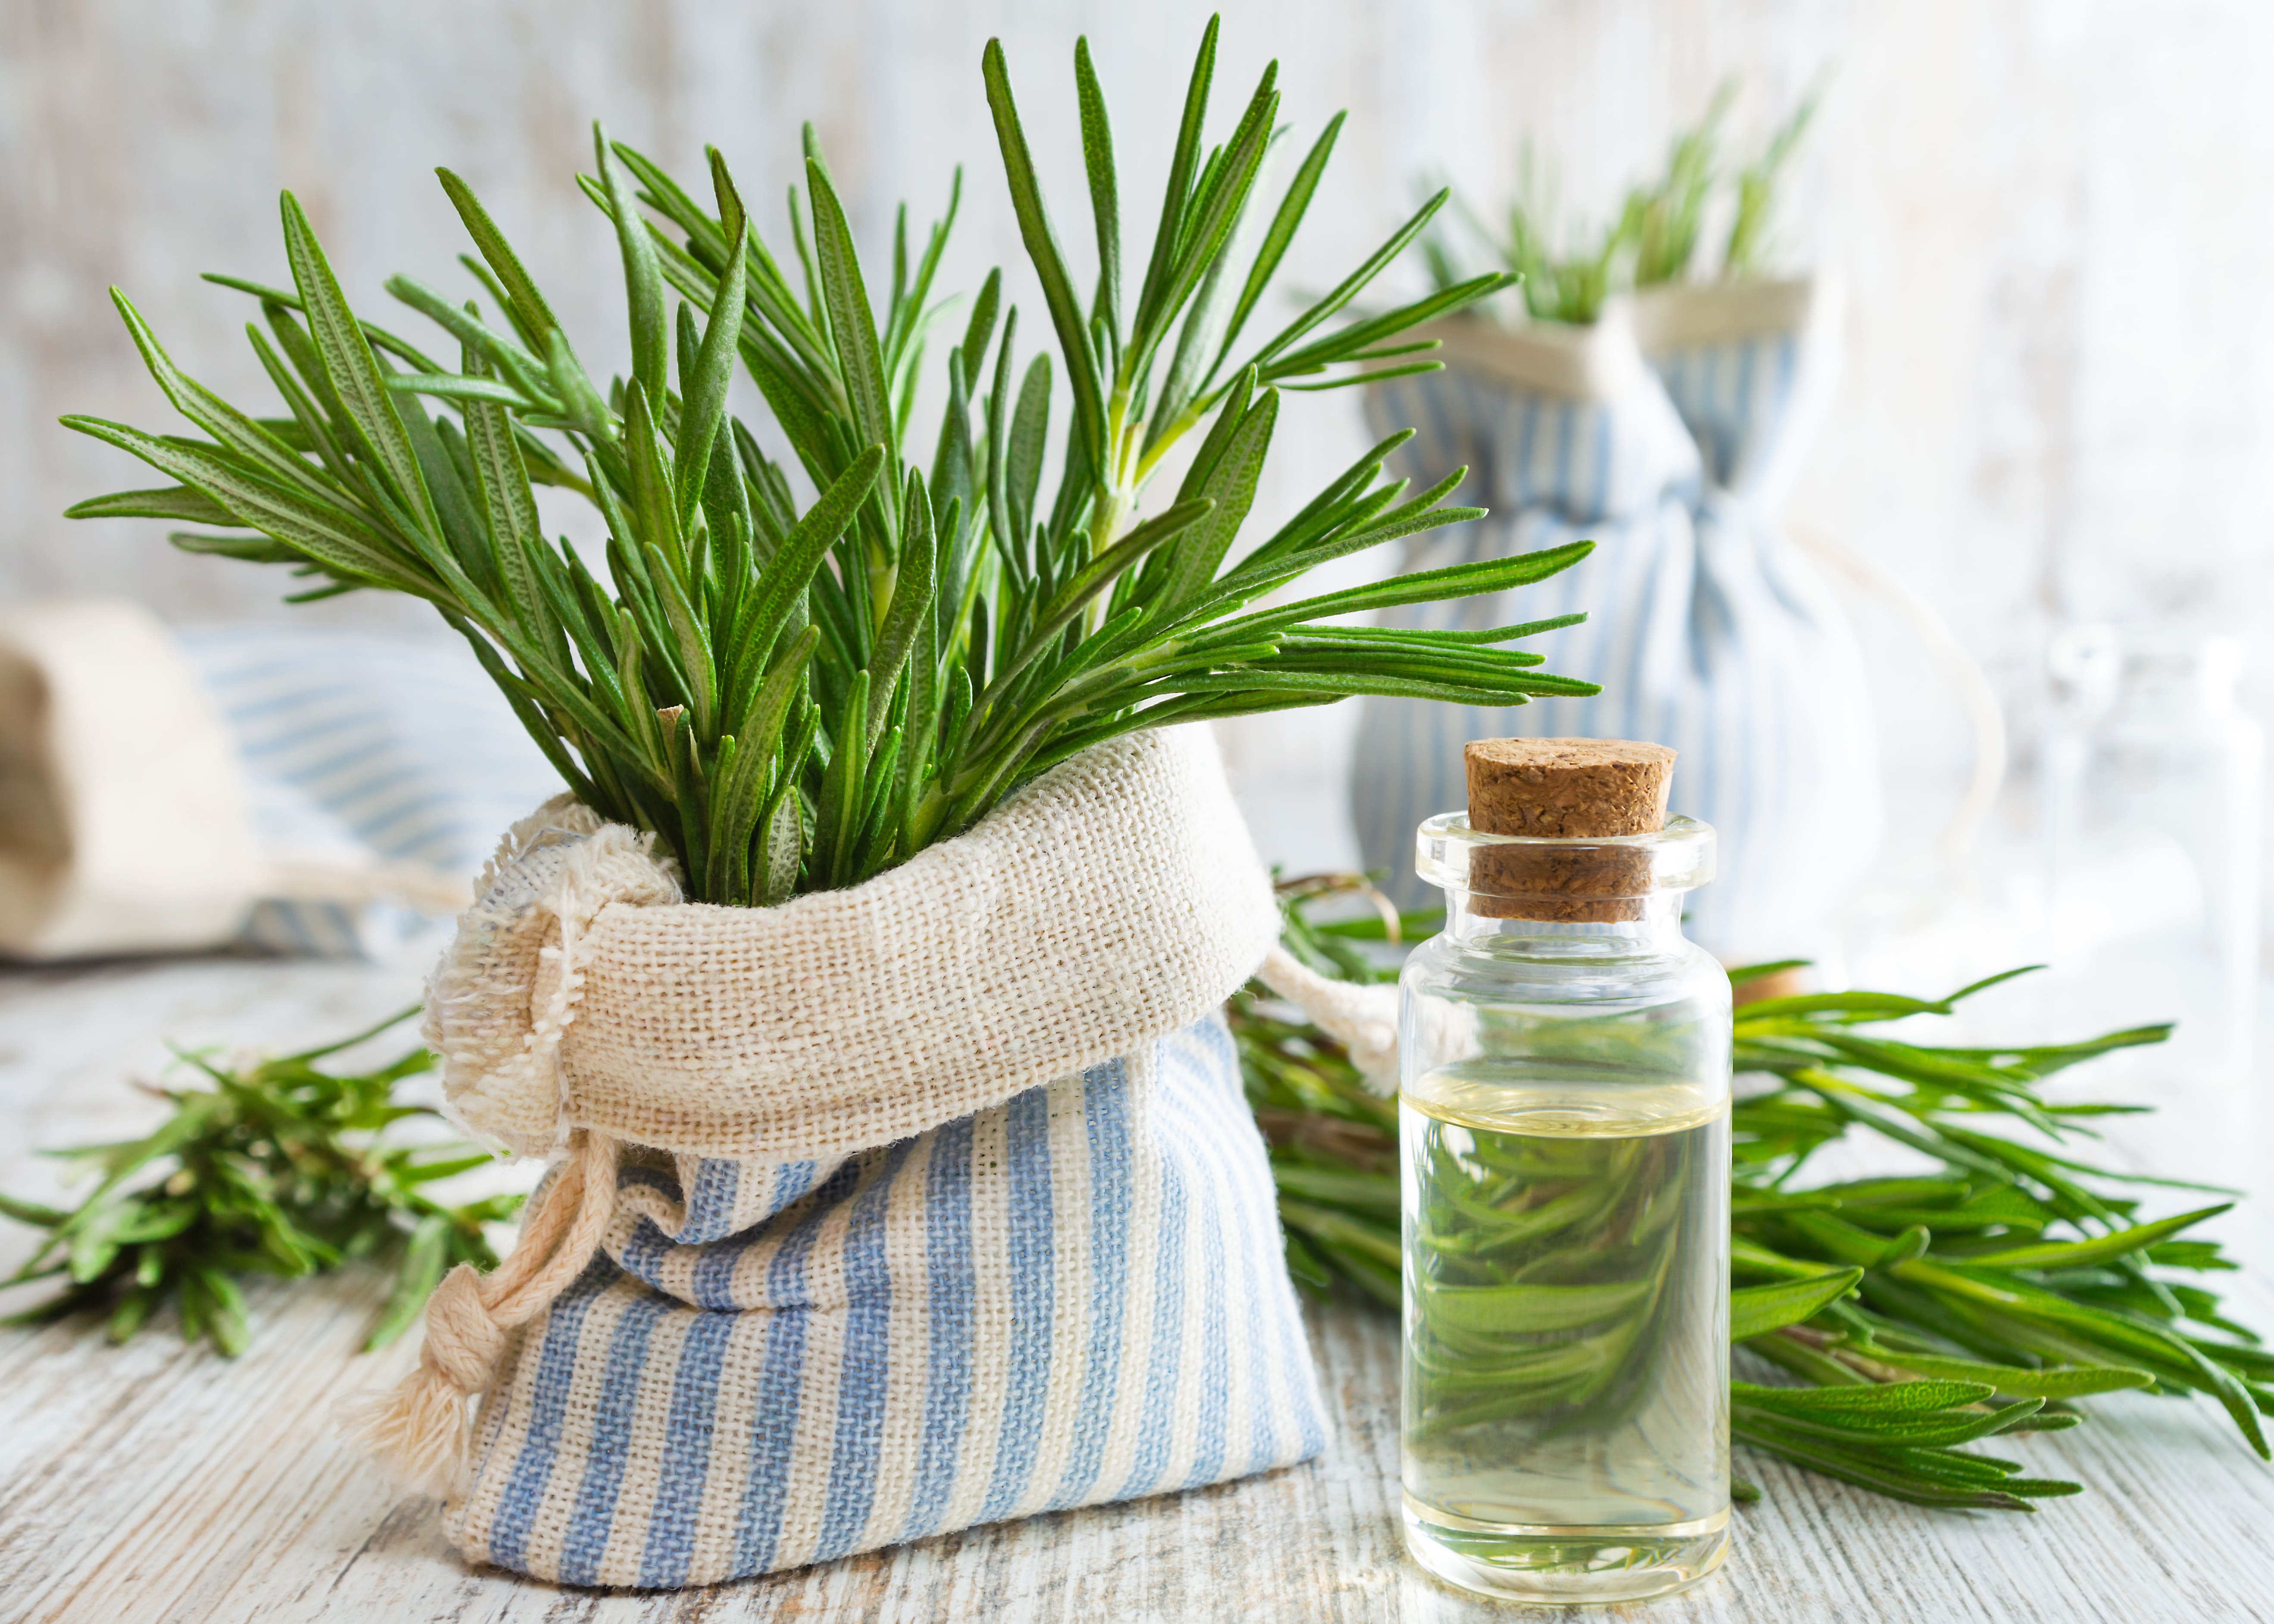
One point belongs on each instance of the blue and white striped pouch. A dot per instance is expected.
(926, 1203)
(1074, 1297)
(1706, 628)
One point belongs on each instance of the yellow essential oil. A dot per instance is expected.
(1566, 1375)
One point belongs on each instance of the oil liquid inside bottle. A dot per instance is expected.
(1566, 1381)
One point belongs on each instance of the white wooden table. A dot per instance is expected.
(155, 1482)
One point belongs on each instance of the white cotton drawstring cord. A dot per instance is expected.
(1362, 1018)
(420, 1430)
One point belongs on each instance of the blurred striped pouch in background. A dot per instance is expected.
(1664, 434)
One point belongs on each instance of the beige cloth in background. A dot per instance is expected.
(123, 821)
(134, 820)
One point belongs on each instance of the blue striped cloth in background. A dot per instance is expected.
(1074, 1297)
(358, 748)
(1706, 629)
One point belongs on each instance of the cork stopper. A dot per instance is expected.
(1567, 789)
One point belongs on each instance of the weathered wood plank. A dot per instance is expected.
(159, 1482)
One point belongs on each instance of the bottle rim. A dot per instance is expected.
(1678, 858)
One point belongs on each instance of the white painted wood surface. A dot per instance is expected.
(156, 1482)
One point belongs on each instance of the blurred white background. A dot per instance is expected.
(2052, 405)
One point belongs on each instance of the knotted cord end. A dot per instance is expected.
(421, 1431)
(417, 1431)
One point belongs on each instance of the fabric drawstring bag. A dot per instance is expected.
(167, 789)
(883, 1213)
(1664, 434)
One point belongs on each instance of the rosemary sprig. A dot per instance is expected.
(1921, 1313)
(278, 1167)
(1757, 184)
(1666, 220)
(795, 700)
(1656, 236)
(1563, 276)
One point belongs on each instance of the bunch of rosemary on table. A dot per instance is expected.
(796, 695)
(280, 1166)
(1917, 1314)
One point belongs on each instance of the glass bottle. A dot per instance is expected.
(1565, 1132)
(2153, 783)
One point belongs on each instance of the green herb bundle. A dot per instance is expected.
(1657, 233)
(1666, 220)
(1921, 1312)
(1561, 277)
(278, 1167)
(1756, 190)
(794, 699)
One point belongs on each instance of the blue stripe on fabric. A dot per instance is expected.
(1203, 1131)
(1030, 1262)
(1259, 1245)
(1644, 557)
(1443, 444)
(548, 1408)
(774, 1424)
(1256, 1270)
(1567, 432)
(1743, 416)
(867, 1364)
(404, 821)
(713, 1285)
(280, 725)
(1105, 1112)
(1527, 444)
(792, 1180)
(711, 1205)
(949, 1279)
(1711, 443)
(686, 1465)
(1165, 1367)
(773, 1440)
(285, 703)
(378, 795)
(585, 1545)
(344, 742)
(1600, 503)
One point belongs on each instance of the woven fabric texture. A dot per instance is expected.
(1074, 1297)
(362, 756)
(1116, 898)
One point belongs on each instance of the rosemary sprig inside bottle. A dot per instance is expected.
(280, 1166)
(1922, 1312)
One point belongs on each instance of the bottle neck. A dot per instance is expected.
(1657, 929)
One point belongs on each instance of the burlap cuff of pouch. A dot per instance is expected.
(1117, 898)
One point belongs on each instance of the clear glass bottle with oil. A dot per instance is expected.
(1564, 1130)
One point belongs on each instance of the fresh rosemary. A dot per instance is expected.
(1756, 185)
(1920, 1313)
(794, 701)
(1656, 236)
(278, 1167)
